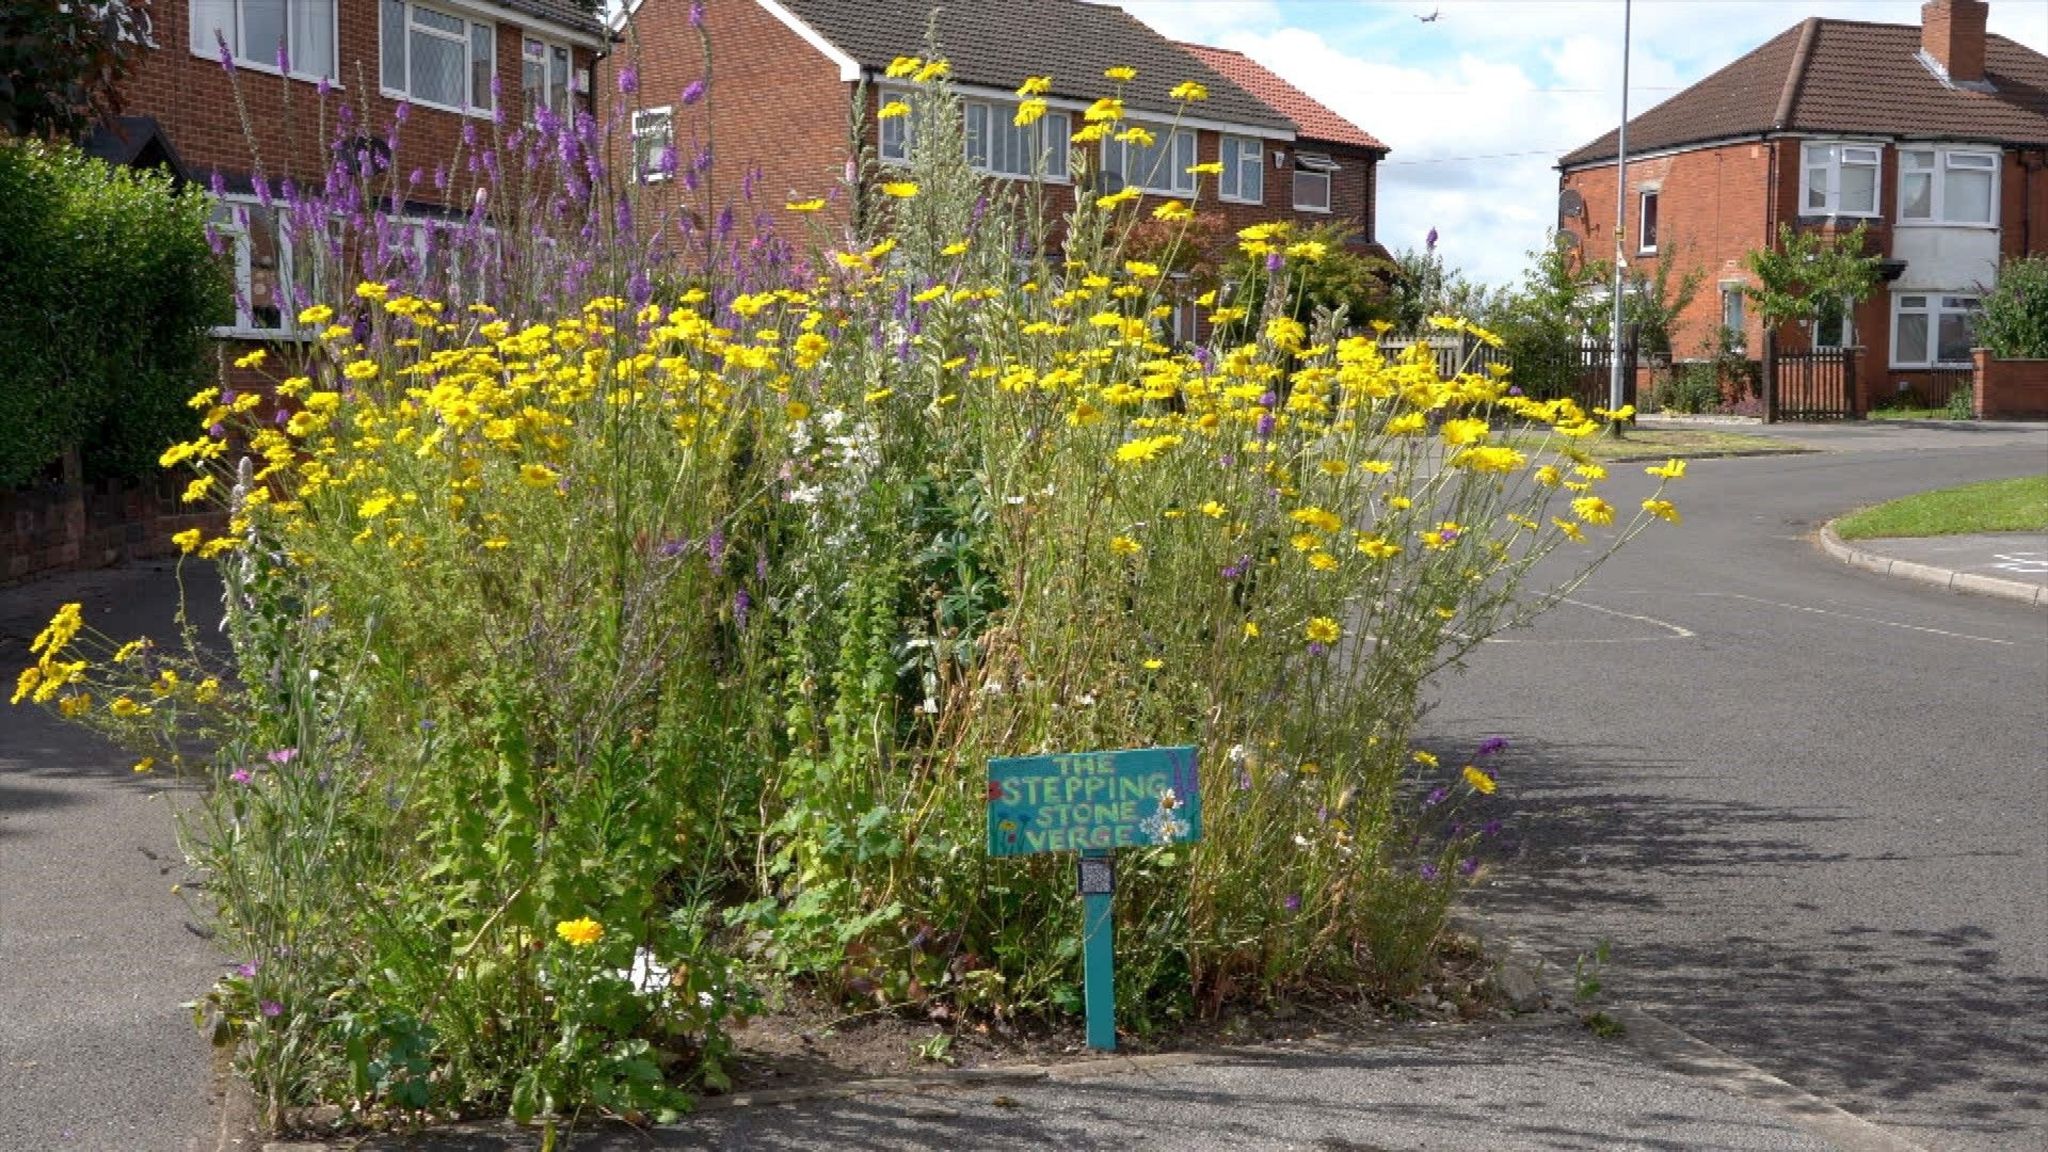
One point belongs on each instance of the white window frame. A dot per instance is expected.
(201, 40)
(1167, 138)
(1732, 293)
(646, 168)
(468, 41)
(1934, 305)
(1052, 164)
(906, 139)
(241, 251)
(1830, 157)
(1940, 160)
(1647, 199)
(1241, 156)
(551, 51)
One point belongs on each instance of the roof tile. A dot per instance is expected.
(1315, 120)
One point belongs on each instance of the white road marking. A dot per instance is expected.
(2026, 563)
(1861, 619)
(1677, 633)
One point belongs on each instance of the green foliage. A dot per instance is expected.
(1423, 287)
(1652, 303)
(1545, 319)
(1339, 281)
(1808, 272)
(60, 63)
(2014, 322)
(107, 288)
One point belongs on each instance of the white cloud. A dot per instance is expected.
(1478, 105)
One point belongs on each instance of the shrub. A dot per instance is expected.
(593, 662)
(107, 288)
(2014, 323)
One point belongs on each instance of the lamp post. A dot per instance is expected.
(1614, 333)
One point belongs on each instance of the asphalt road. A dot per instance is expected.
(96, 954)
(1804, 802)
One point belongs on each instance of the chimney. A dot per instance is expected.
(1952, 36)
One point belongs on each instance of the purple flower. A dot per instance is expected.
(715, 545)
(227, 54)
(1317, 649)
(1493, 744)
(693, 92)
(1429, 242)
(1244, 780)
(697, 14)
(1429, 872)
(1436, 796)
(741, 605)
(247, 970)
(1490, 829)
(283, 756)
(1469, 866)
(1292, 903)
(241, 776)
(1272, 261)
(629, 80)
(270, 1008)
(1268, 399)
(1514, 389)
(1265, 425)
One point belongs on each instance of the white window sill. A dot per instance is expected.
(1022, 177)
(1176, 193)
(242, 65)
(1650, 251)
(1259, 203)
(1813, 214)
(416, 102)
(1312, 208)
(656, 177)
(1972, 225)
(261, 335)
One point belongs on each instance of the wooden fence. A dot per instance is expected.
(1816, 384)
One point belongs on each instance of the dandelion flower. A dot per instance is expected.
(1125, 546)
(1322, 630)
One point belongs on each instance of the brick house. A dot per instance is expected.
(450, 62)
(784, 75)
(1934, 136)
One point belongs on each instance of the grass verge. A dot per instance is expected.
(1660, 443)
(2016, 505)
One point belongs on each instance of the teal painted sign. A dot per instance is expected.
(1091, 801)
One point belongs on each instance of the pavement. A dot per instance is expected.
(2013, 565)
(1803, 801)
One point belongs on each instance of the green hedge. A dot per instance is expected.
(2014, 324)
(107, 289)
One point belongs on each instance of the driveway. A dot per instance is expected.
(1803, 801)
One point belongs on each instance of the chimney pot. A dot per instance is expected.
(1952, 35)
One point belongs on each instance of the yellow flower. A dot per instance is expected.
(1154, 665)
(900, 189)
(1122, 74)
(1461, 432)
(1569, 529)
(1251, 630)
(375, 506)
(1035, 86)
(1125, 546)
(1172, 210)
(816, 205)
(1593, 510)
(932, 70)
(1144, 450)
(878, 395)
(1669, 470)
(1549, 476)
(1662, 509)
(317, 314)
(1189, 90)
(360, 370)
(538, 475)
(124, 707)
(892, 109)
(1407, 424)
(30, 677)
(1138, 136)
(1213, 510)
(59, 631)
(903, 66)
(1322, 630)
(1426, 759)
(1322, 561)
(73, 706)
(145, 764)
(581, 932)
(1320, 519)
(1378, 547)
(252, 360)
(1029, 112)
(1108, 108)
(196, 490)
(1480, 781)
(371, 290)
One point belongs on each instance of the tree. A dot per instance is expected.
(2014, 324)
(1547, 317)
(62, 60)
(1806, 274)
(1337, 279)
(1651, 303)
(1424, 287)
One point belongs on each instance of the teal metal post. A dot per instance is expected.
(1099, 958)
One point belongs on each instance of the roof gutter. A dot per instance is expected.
(1809, 33)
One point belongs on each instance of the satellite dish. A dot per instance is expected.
(1570, 204)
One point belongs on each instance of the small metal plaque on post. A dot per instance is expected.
(1096, 875)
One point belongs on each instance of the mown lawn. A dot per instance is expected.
(2017, 505)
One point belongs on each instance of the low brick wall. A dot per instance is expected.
(2010, 389)
(64, 523)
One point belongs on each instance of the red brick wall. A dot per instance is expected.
(774, 105)
(70, 524)
(2010, 389)
(2023, 203)
(195, 100)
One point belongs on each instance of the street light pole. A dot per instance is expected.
(1614, 333)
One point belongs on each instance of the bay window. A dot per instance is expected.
(437, 58)
(1839, 179)
(1244, 171)
(295, 37)
(1152, 158)
(1933, 329)
(1947, 186)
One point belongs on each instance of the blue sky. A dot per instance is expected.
(1478, 104)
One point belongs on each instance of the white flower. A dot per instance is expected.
(1236, 755)
(805, 494)
(648, 976)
